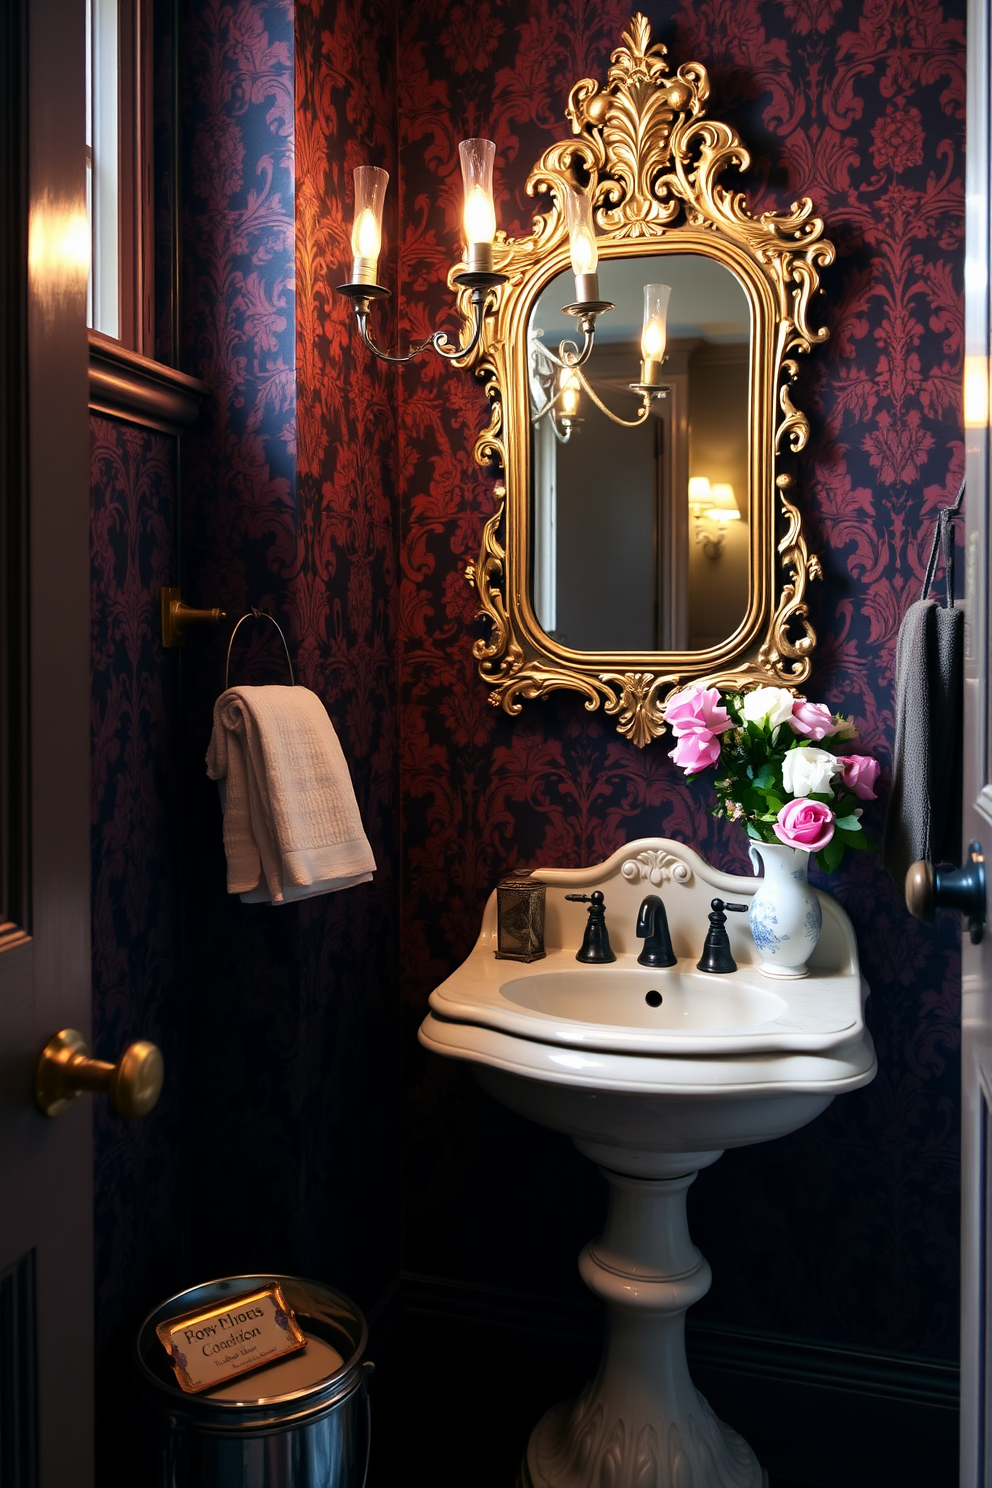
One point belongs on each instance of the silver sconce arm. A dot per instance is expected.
(568, 357)
(361, 296)
(647, 391)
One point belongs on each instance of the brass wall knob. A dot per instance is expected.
(65, 1070)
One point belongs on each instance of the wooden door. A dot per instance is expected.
(976, 1334)
(46, 1273)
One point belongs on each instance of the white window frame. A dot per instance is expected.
(119, 171)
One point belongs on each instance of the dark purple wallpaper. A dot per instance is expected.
(847, 1231)
(136, 983)
(278, 1026)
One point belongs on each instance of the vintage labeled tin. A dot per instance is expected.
(208, 1347)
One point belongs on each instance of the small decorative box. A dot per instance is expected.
(520, 903)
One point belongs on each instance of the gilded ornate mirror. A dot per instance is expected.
(644, 535)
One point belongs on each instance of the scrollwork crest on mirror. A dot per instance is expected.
(654, 161)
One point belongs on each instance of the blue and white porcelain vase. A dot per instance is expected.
(785, 915)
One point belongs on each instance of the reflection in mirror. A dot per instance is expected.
(640, 535)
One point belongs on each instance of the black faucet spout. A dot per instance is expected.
(652, 928)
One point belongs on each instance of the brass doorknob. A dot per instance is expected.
(65, 1070)
(929, 889)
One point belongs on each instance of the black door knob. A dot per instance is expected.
(929, 889)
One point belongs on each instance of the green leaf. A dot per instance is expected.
(765, 777)
(831, 855)
(848, 823)
(752, 831)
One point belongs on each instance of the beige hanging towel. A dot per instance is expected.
(292, 828)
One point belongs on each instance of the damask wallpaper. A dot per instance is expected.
(848, 1230)
(281, 514)
(343, 496)
(135, 939)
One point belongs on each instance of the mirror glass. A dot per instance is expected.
(631, 549)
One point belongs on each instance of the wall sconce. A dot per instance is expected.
(584, 256)
(713, 504)
(479, 222)
(479, 275)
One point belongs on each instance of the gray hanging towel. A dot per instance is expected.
(924, 814)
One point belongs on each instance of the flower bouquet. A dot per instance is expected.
(779, 766)
(779, 771)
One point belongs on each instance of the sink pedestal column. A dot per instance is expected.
(641, 1423)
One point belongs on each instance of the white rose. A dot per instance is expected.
(809, 772)
(771, 703)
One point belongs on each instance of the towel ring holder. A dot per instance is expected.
(254, 614)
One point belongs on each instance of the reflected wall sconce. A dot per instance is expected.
(712, 507)
(566, 418)
(563, 406)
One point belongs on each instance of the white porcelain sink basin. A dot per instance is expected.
(674, 1000)
(673, 1010)
(652, 1073)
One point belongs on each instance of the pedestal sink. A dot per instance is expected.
(651, 1090)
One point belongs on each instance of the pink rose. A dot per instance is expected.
(805, 823)
(697, 710)
(815, 720)
(859, 774)
(694, 752)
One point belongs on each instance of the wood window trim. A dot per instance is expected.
(126, 385)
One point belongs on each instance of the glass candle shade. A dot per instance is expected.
(654, 336)
(571, 389)
(520, 906)
(479, 210)
(582, 244)
(366, 234)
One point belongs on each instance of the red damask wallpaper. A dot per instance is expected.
(282, 512)
(848, 1230)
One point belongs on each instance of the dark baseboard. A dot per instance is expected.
(466, 1370)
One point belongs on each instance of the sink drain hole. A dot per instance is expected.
(653, 999)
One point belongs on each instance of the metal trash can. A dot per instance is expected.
(254, 1432)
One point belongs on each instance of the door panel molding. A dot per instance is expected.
(46, 1166)
(14, 795)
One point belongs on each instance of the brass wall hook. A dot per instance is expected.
(178, 617)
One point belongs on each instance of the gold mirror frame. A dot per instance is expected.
(654, 160)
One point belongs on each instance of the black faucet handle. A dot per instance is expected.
(716, 957)
(595, 948)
